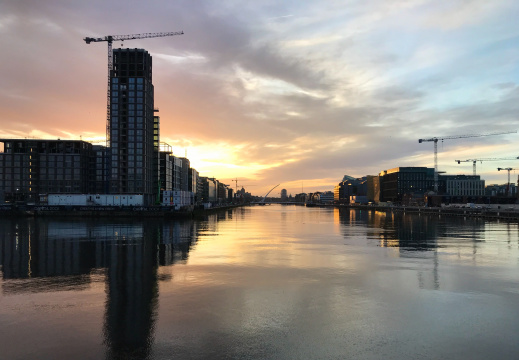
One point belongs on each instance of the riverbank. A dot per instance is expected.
(504, 212)
(108, 211)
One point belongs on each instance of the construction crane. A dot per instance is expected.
(474, 161)
(435, 140)
(508, 185)
(109, 39)
(242, 185)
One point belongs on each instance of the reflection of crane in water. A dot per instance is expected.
(262, 202)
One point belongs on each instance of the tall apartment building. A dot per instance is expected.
(133, 166)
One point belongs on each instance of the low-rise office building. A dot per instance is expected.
(464, 185)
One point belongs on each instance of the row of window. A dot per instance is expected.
(129, 145)
(129, 94)
(131, 87)
(130, 100)
(130, 80)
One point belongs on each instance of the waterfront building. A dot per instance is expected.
(222, 192)
(177, 173)
(501, 190)
(284, 196)
(193, 182)
(166, 164)
(243, 195)
(326, 197)
(100, 168)
(349, 186)
(209, 190)
(30, 167)
(373, 188)
(184, 174)
(403, 184)
(300, 198)
(464, 185)
(199, 189)
(156, 160)
(131, 135)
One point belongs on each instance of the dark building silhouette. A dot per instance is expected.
(30, 168)
(132, 130)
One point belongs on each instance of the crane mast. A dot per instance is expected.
(435, 141)
(109, 39)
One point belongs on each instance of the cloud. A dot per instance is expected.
(275, 91)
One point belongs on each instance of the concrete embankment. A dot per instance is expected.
(505, 212)
(106, 211)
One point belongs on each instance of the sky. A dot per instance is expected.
(296, 93)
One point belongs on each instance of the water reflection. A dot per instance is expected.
(410, 232)
(40, 255)
(265, 282)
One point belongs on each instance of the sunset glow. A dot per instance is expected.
(272, 92)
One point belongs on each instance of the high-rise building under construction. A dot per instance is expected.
(131, 133)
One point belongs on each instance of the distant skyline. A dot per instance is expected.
(297, 93)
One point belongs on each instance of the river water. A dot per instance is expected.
(265, 282)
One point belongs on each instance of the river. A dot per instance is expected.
(264, 282)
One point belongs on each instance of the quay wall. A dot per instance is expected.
(104, 211)
(505, 212)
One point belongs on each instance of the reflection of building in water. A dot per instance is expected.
(177, 238)
(132, 293)
(407, 233)
(50, 255)
(33, 248)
